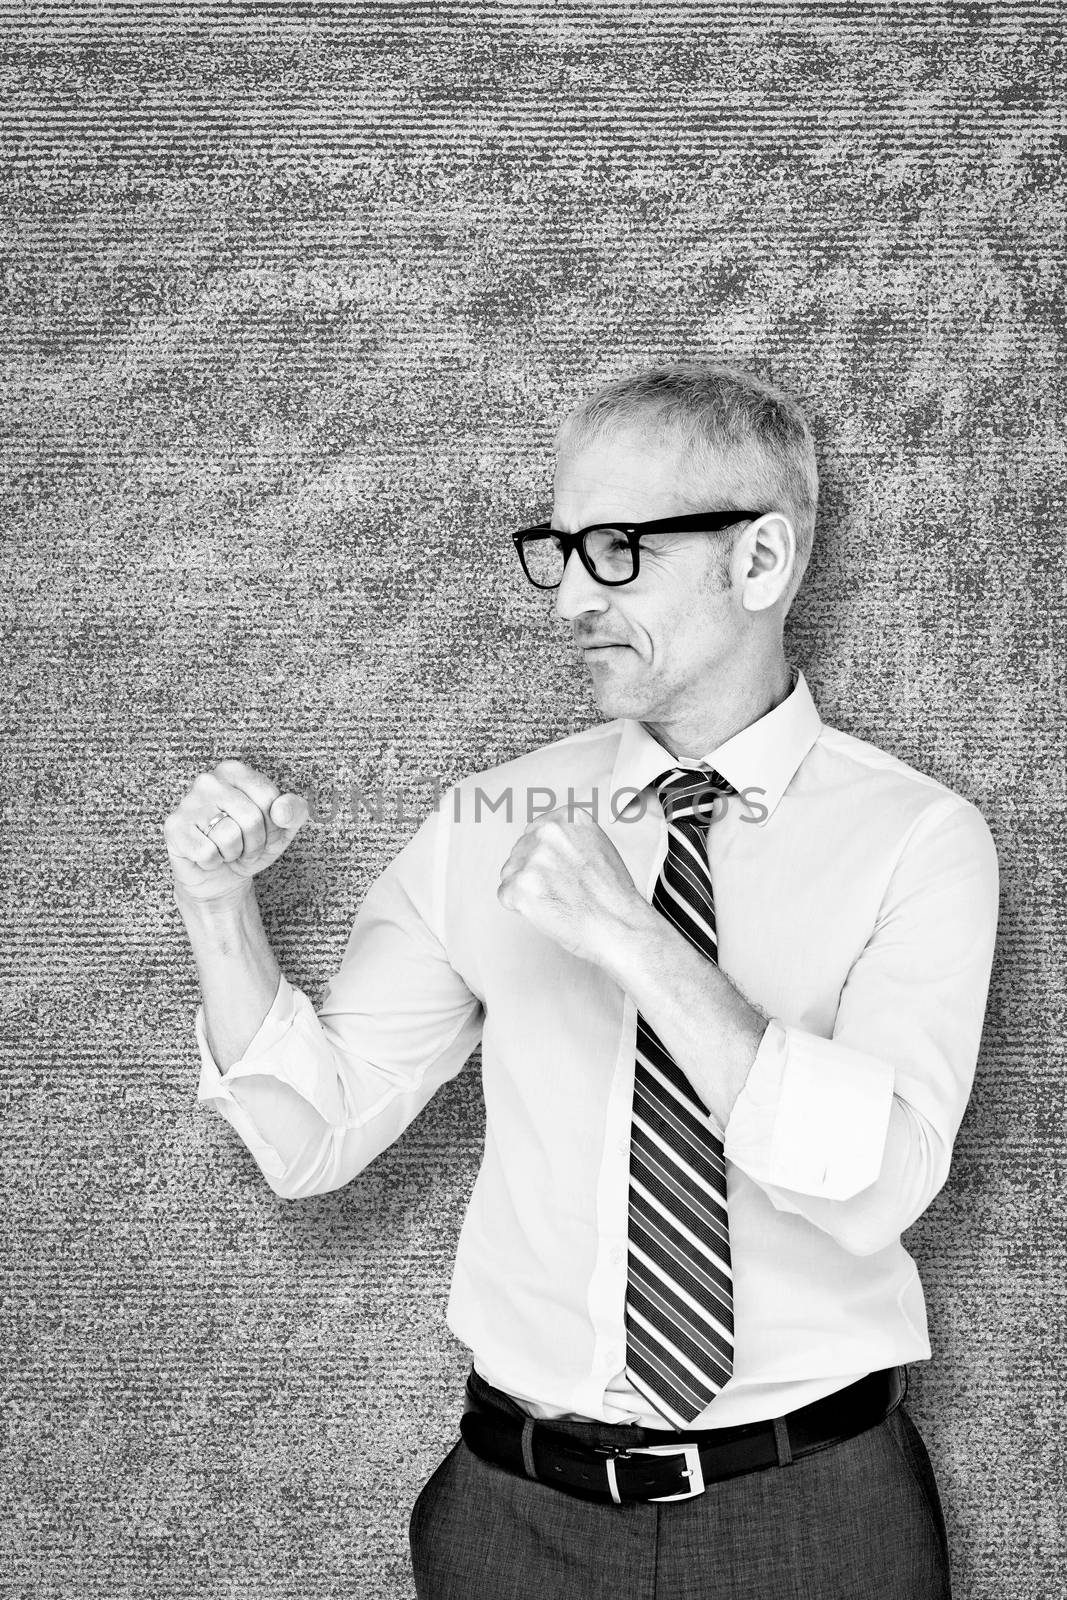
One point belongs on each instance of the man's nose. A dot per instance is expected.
(578, 591)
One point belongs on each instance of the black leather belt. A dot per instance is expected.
(679, 1465)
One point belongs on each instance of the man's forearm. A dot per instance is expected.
(238, 973)
(710, 1030)
(565, 876)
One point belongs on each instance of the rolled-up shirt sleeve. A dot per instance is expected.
(855, 1132)
(318, 1094)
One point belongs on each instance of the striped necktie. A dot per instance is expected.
(679, 1300)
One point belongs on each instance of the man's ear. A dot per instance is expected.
(768, 553)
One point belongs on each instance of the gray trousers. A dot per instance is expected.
(859, 1521)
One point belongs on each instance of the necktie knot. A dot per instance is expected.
(689, 794)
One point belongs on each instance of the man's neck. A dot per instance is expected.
(724, 713)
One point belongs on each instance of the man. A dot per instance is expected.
(728, 967)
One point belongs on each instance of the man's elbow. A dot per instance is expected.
(875, 1217)
(863, 1234)
(287, 1189)
(308, 1173)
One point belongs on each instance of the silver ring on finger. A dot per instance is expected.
(216, 819)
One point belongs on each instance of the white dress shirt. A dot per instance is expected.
(856, 902)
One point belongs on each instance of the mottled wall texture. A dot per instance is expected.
(294, 296)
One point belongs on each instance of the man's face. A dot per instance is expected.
(655, 648)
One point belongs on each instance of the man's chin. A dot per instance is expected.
(614, 695)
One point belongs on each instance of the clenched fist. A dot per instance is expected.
(566, 877)
(260, 823)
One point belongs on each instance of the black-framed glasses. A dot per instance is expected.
(609, 552)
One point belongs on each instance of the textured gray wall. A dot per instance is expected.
(295, 294)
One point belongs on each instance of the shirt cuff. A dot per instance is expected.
(813, 1115)
(288, 1046)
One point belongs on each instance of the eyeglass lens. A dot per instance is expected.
(607, 551)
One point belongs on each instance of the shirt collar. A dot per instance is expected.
(762, 758)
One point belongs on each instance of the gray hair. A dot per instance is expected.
(745, 439)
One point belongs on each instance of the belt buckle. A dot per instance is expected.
(692, 1469)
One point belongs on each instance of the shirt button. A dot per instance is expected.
(618, 1254)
